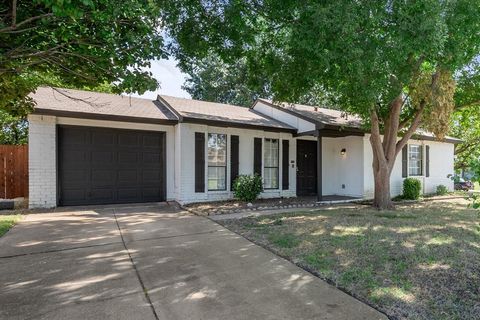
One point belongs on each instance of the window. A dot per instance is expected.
(415, 163)
(217, 161)
(270, 160)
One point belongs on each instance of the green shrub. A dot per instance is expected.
(247, 187)
(411, 189)
(441, 190)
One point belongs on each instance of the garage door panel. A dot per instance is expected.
(152, 141)
(76, 136)
(104, 194)
(127, 157)
(75, 156)
(150, 193)
(75, 194)
(128, 139)
(103, 178)
(127, 177)
(103, 165)
(103, 137)
(74, 177)
(151, 176)
(128, 194)
(152, 158)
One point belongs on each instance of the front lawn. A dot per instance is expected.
(6, 222)
(419, 262)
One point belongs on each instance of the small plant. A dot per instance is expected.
(411, 189)
(441, 190)
(247, 187)
(475, 201)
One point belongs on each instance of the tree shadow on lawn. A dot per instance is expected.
(417, 262)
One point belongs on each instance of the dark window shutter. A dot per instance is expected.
(285, 165)
(427, 161)
(199, 162)
(257, 156)
(405, 161)
(234, 161)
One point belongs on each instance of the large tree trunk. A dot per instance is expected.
(385, 151)
(381, 174)
(382, 199)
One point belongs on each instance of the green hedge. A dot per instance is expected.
(247, 187)
(411, 189)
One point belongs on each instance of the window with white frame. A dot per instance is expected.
(270, 161)
(217, 161)
(415, 160)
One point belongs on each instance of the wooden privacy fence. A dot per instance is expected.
(13, 171)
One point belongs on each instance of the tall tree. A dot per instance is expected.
(392, 62)
(212, 79)
(466, 126)
(81, 43)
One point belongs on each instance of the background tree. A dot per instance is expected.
(13, 121)
(466, 126)
(394, 62)
(212, 79)
(82, 44)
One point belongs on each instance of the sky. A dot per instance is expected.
(170, 77)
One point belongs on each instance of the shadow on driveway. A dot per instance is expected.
(94, 263)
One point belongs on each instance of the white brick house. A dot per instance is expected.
(95, 148)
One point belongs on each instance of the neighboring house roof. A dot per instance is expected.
(95, 105)
(220, 114)
(328, 119)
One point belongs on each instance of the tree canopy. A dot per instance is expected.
(81, 44)
(395, 63)
(212, 79)
(466, 126)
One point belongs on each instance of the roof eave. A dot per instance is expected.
(97, 116)
(219, 123)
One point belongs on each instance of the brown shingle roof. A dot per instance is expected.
(320, 115)
(219, 113)
(87, 104)
(340, 119)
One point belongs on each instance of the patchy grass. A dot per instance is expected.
(7, 222)
(420, 261)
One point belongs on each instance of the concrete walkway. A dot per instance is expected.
(153, 262)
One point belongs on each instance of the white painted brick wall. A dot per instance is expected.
(42, 162)
(185, 176)
(441, 166)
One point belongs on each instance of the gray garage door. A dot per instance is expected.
(103, 166)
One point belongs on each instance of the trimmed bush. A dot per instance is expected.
(247, 187)
(441, 190)
(411, 189)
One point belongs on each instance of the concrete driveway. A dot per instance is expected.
(153, 262)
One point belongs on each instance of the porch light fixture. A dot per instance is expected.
(343, 152)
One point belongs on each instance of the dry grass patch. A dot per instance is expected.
(418, 262)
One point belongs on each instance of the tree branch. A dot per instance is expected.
(16, 26)
(14, 14)
(391, 127)
(413, 127)
(375, 135)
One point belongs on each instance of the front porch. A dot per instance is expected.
(330, 164)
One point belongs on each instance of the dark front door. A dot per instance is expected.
(306, 167)
(103, 166)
